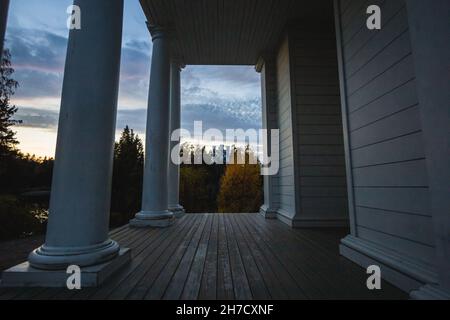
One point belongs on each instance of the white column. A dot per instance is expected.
(154, 212)
(428, 25)
(267, 68)
(78, 226)
(4, 5)
(175, 123)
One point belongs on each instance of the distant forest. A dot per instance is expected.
(25, 180)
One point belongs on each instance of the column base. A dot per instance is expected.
(24, 275)
(156, 219)
(59, 258)
(268, 212)
(178, 211)
(429, 292)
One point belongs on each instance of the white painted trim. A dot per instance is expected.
(428, 292)
(345, 126)
(268, 212)
(310, 222)
(404, 272)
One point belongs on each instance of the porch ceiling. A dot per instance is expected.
(228, 32)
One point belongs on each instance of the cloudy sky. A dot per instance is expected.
(221, 97)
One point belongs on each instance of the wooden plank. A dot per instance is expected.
(255, 279)
(325, 129)
(394, 77)
(396, 100)
(241, 286)
(303, 287)
(224, 278)
(399, 124)
(337, 160)
(402, 174)
(324, 191)
(326, 273)
(274, 287)
(288, 263)
(147, 257)
(404, 200)
(322, 181)
(318, 150)
(208, 289)
(410, 227)
(186, 281)
(285, 278)
(404, 148)
(326, 203)
(152, 268)
(385, 59)
(320, 109)
(322, 171)
(319, 120)
(182, 256)
(118, 230)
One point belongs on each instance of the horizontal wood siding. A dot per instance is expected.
(285, 190)
(318, 126)
(388, 159)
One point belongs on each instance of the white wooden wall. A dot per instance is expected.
(390, 200)
(318, 134)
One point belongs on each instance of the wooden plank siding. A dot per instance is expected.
(391, 196)
(228, 32)
(285, 186)
(318, 152)
(226, 256)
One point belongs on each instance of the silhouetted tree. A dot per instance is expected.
(7, 88)
(127, 177)
(18, 172)
(199, 181)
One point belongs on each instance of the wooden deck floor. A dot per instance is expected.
(228, 256)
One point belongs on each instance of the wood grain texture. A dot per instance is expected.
(227, 256)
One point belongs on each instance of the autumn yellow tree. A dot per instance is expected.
(241, 187)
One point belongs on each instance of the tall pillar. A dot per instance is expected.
(267, 67)
(175, 123)
(154, 212)
(428, 25)
(78, 225)
(4, 5)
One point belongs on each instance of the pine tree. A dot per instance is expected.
(127, 177)
(8, 86)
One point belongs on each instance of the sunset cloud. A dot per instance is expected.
(221, 97)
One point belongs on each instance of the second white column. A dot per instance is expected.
(175, 122)
(154, 212)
